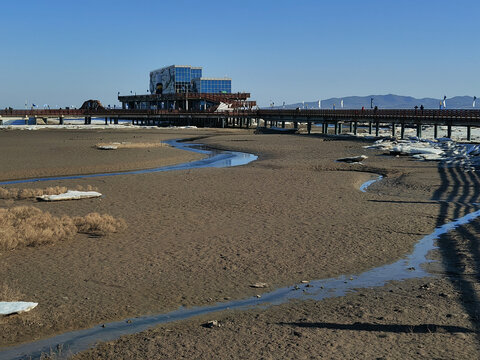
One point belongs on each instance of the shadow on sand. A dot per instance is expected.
(459, 249)
(393, 328)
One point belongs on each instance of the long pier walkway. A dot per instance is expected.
(269, 117)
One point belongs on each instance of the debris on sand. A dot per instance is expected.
(259, 285)
(107, 147)
(212, 324)
(353, 159)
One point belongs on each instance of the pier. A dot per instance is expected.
(342, 120)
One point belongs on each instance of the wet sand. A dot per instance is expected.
(202, 236)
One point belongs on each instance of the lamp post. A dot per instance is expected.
(474, 100)
(445, 102)
(371, 103)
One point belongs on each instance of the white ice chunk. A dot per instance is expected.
(412, 150)
(15, 307)
(70, 195)
(427, 156)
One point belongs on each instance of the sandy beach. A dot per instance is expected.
(198, 237)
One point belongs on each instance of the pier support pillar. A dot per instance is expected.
(377, 129)
(449, 131)
(435, 131)
(393, 129)
(115, 120)
(351, 126)
(86, 120)
(283, 124)
(419, 130)
(402, 131)
(469, 133)
(336, 128)
(60, 120)
(106, 120)
(355, 128)
(295, 125)
(325, 127)
(309, 127)
(370, 127)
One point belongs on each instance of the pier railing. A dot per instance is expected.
(300, 114)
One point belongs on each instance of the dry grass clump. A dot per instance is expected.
(129, 145)
(28, 226)
(99, 225)
(22, 194)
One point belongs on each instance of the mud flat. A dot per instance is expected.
(198, 237)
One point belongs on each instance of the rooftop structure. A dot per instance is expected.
(173, 79)
(183, 87)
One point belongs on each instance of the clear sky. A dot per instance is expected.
(62, 52)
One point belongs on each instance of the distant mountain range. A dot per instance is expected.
(389, 101)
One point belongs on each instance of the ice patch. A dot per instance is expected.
(70, 195)
(15, 307)
(449, 152)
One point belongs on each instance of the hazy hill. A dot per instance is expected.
(389, 101)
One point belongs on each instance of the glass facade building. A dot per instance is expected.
(212, 85)
(176, 79)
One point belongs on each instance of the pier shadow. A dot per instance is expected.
(460, 248)
(391, 328)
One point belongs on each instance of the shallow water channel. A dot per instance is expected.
(214, 158)
(76, 341)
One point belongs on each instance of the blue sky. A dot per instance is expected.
(64, 52)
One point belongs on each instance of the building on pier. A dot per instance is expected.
(183, 87)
